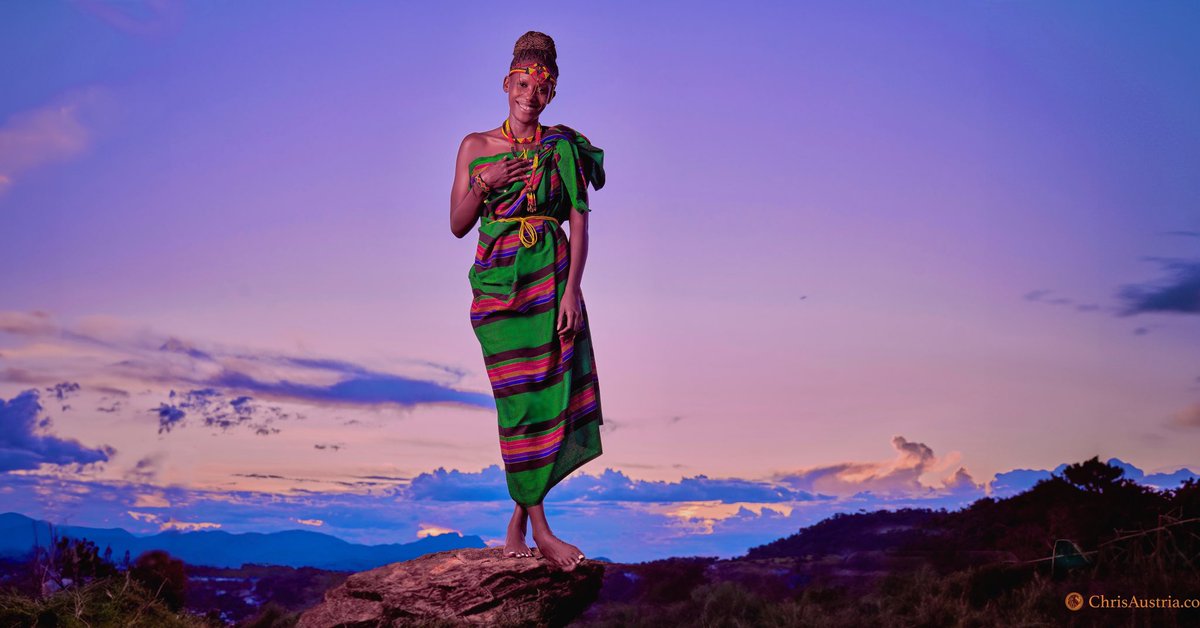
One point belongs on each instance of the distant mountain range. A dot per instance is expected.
(293, 548)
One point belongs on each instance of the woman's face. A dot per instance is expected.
(527, 96)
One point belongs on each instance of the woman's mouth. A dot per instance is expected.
(525, 108)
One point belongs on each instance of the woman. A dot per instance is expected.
(528, 313)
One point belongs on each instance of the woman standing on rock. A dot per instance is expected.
(524, 180)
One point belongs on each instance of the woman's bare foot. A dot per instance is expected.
(514, 543)
(558, 551)
(515, 546)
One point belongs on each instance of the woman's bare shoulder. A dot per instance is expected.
(473, 140)
(477, 144)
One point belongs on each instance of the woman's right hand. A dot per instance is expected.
(505, 171)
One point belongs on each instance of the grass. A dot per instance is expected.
(111, 601)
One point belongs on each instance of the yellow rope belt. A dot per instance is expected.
(526, 231)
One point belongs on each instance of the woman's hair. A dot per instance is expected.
(535, 47)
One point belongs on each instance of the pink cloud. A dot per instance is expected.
(899, 476)
(1188, 416)
(57, 131)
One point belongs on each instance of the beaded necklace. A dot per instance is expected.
(536, 141)
(536, 138)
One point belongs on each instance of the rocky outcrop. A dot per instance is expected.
(468, 587)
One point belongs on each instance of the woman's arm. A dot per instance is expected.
(579, 248)
(464, 198)
(570, 319)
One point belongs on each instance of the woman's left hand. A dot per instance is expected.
(570, 313)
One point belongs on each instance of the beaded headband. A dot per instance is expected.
(539, 72)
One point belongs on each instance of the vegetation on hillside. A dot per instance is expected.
(993, 563)
(72, 584)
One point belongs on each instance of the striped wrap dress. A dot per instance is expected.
(545, 386)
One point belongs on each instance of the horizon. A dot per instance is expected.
(1018, 482)
(935, 247)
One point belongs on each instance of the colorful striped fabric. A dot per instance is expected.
(545, 387)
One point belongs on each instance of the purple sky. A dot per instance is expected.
(849, 255)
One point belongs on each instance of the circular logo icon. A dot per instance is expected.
(1074, 601)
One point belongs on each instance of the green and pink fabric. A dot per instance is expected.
(545, 386)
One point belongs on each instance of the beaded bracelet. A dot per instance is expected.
(478, 182)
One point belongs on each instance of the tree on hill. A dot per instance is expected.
(79, 560)
(1088, 503)
(163, 575)
(1095, 476)
(65, 561)
(1186, 498)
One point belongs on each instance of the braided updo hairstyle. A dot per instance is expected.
(535, 47)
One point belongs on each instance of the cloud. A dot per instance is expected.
(63, 390)
(440, 501)
(898, 477)
(146, 469)
(188, 526)
(168, 416)
(362, 388)
(224, 386)
(35, 323)
(217, 410)
(612, 424)
(57, 131)
(152, 500)
(1178, 292)
(1165, 480)
(1187, 417)
(616, 486)
(23, 447)
(428, 529)
(477, 503)
(610, 486)
(1020, 480)
(487, 484)
(157, 17)
(1017, 481)
(1043, 296)
(961, 480)
(115, 406)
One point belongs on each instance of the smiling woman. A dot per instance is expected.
(522, 180)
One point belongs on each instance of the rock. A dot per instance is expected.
(466, 587)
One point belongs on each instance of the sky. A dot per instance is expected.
(848, 256)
